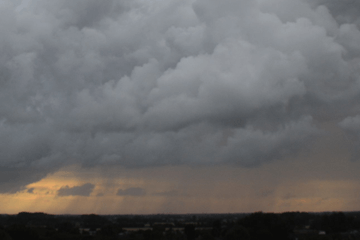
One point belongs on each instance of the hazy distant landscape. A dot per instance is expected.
(254, 226)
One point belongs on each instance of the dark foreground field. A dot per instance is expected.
(255, 226)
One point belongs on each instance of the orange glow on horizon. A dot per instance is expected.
(227, 194)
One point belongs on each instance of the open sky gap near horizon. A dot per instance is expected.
(179, 106)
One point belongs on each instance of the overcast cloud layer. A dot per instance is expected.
(166, 82)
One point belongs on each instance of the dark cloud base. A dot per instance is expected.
(83, 190)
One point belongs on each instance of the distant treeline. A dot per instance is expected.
(255, 226)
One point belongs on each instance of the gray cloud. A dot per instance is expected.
(346, 11)
(351, 126)
(135, 191)
(16, 178)
(146, 83)
(83, 190)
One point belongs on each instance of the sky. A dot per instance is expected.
(179, 106)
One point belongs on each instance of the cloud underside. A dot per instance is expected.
(151, 83)
(83, 190)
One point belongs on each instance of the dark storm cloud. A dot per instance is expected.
(131, 192)
(147, 83)
(83, 190)
(13, 179)
(31, 190)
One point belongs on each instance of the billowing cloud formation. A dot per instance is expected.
(131, 192)
(146, 83)
(83, 190)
